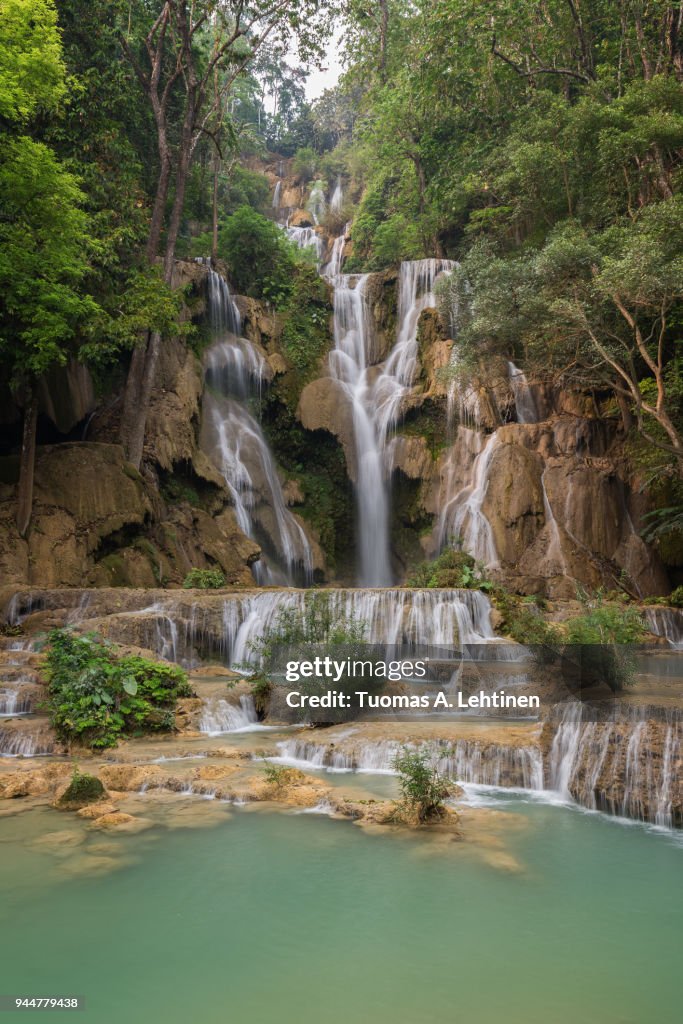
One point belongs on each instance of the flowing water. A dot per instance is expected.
(376, 394)
(461, 516)
(233, 437)
(299, 918)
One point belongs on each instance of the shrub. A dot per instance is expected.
(261, 259)
(306, 322)
(204, 579)
(451, 568)
(527, 626)
(607, 624)
(96, 696)
(676, 597)
(423, 789)
(304, 163)
(276, 774)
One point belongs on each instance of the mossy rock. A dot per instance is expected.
(82, 790)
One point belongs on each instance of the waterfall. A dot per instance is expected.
(417, 279)
(228, 626)
(235, 441)
(469, 761)
(461, 517)
(376, 398)
(332, 270)
(628, 764)
(337, 200)
(316, 203)
(349, 363)
(667, 623)
(16, 743)
(12, 703)
(554, 555)
(276, 195)
(525, 403)
(306, 238)
(221, 716)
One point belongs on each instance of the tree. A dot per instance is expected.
(44, 238)
(190, 56)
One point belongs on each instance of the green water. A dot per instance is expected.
(302, 919)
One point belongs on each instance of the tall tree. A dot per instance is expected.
(184, 48)
(44, 239)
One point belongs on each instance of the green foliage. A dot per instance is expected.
(315, 623)
(676, 597)
(262, 261)
(527, 626)
(304, 163)
(204, 579)
(276, 775)
(423, 789)
(306, 323)
(452, 568)
(83, 789)
(261, 689)
(32, 72)
(607, 624)
(96, 696)
(44, 248)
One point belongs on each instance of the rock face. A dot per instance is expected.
(84, 493)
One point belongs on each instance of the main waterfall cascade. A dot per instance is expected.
(376, 393)
(235, 371)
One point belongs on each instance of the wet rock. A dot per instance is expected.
(120, 821)
(128, 778)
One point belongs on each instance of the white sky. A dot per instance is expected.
(318, 81)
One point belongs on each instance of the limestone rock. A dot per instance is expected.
(128, 778)
(174, 407)
(301, 219)
(119, 821)
(323, 406)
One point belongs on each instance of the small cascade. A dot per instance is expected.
(277, 195)
(332, 270)
(555, 560)
(337, 199)
(306, 238)
(525, 403)
(467, 761)
(25, 742)
(13, 703)
(221, 716)
(627, 764)
(416, 283)
(316, 205)
(667, 623)
(234, 439)
(228, 627)
(349, 363)
(461, 517)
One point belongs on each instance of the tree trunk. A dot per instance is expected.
(383, 32)
(137, 418)
(27, 462)
(214, 212)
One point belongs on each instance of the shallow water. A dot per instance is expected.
(302, 919)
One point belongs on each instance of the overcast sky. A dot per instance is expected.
(318, 81)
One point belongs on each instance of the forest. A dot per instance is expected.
(538, 144)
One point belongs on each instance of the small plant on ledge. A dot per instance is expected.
(424, 790)
(204, 579)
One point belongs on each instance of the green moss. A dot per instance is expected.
(82, 790)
